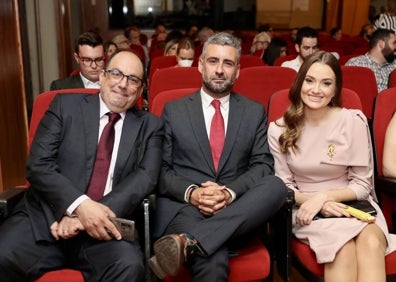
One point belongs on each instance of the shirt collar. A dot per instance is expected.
(207, 100)
(104, 109)
(88, 83)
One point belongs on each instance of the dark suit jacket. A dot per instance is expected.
(63, 152)
(187, 157)
(73, 81)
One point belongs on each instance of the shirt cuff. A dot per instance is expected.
(232, 193)
(70, 210)
(186, 192)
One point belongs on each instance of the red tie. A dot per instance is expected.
(103, 157)
(217, 134)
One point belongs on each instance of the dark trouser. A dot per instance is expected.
(246, 214)
(24, 259)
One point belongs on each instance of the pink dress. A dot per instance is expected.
(335, 155)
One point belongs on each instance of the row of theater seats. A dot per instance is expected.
(255, 260)
(259, 82)
(304, 258)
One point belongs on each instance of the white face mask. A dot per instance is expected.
(185, 63)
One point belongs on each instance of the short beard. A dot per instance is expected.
(224, 89)
(389, 57)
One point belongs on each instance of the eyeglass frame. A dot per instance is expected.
(128, 76)
(99, 61)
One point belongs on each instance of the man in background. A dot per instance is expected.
(89, 55)
(306, 44)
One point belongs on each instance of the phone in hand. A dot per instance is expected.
(125, 226)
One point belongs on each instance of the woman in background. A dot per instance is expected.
(277, 48)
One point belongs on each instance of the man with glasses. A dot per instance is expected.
(62, 222)
(306, 44)
(89, 55)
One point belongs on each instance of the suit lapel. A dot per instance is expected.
(128, 142)
(235, 114)
(197, 120)
(90, 116)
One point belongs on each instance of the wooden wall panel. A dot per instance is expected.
(13, 117)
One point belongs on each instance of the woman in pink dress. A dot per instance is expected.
(323, 152)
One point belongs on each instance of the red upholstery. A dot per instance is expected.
(63, 275)
(252, 264)
(362, 81)
(160, 62)
(280, 101)
(173, 78)
(384, 108)
(166, 96)
(139, 51)
(250, 61)
(280, 60)
(392, 79)
(259, 83)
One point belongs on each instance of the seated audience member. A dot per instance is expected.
(158, 38)
(171, 47)
(366, 31)
(293, 35)
(122, 42)
(192, 33)
(260, 43)
(133, 34)
(389, 157)
(211, 196)
(185, 53)
(380, 58)
(109, 48)
(277, 48)
(203, 35)
(266, 28)
(336, 33)
(89, 55)
(306, 44)
(325, 170)
(63, 219)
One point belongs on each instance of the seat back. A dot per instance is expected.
(392, 79)
(362, 81)
(160, 62)
(278, 62)
(280, 101)
(42, 102)
(247, 61)
(259, 83)
(166, 96)
(384, 107)
(173, 78)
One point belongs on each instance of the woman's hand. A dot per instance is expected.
(310, 208)
(334, 209)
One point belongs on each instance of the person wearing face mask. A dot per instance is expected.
(380, 58)
(185, 53)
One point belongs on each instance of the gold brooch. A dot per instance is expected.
(331, 151)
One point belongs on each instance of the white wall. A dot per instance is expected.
(43, 50)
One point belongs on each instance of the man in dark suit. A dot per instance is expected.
(89, 55)
(206, 198)
(57, 224)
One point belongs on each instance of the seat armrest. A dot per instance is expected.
(282, 237)
(8, 199)
(385, 185)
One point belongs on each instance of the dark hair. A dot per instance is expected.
(379, 34)
(128, 30)
(294, 115)
(334, 30)
(89, 38)
(273, 50)
(107, 44)
(305, 31)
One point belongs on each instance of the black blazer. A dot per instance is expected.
(73, 81)
(187, 158)
(63, 152)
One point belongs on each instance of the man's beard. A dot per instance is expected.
(388, 54)
(218, 89)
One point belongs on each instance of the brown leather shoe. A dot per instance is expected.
(170, 254)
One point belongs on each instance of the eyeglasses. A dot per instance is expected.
(99, 61)
(118, 75)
